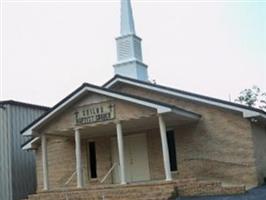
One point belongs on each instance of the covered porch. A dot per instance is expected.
(117, 152)
(99, 136)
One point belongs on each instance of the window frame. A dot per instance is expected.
(173, 161)
(89, 160)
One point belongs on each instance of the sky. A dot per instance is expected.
(211, 47)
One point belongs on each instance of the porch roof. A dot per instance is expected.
(85, 88)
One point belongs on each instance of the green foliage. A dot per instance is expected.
(253, 97)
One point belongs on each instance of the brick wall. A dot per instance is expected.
(159, 190)
(155, 155)
(219, 147)
(61, 160)
(259, 138)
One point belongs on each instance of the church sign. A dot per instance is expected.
(94, 113)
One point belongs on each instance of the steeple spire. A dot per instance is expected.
(129, 52)
(127, 20)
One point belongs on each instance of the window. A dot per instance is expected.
(92, 160)
(172, 150)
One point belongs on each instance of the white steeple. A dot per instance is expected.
(129, 53)
(127, 21)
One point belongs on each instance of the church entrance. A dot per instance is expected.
(136, 159)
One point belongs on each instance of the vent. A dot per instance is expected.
(124, 50)
(137, 49)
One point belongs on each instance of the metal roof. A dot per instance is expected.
(19, 103)
(120, 79)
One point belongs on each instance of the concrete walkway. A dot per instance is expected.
(258, 193)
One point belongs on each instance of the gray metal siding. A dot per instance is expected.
(23, 163)
(17, 167)
(5, 155)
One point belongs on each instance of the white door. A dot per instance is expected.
(136, 158)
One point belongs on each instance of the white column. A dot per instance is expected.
(166, 159)
(121, 152)
(44, 162)
(78, 159)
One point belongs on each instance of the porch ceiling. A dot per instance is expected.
(172, 119)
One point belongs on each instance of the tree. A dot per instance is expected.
(252, 97)
(263, 101)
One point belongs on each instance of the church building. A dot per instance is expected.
(133, 139)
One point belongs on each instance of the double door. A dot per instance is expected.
(136, 158)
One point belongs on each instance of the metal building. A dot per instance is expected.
(17, 167)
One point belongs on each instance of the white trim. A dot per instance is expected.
(250, 113)
(246, 112)
(28, 146)
(160, 109)
(186, 114)
(44, 162)
(120, 144)
(79, 169)
(165, 149)
(28, 132)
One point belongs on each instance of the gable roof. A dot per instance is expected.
(246, 110)
(86, 87)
